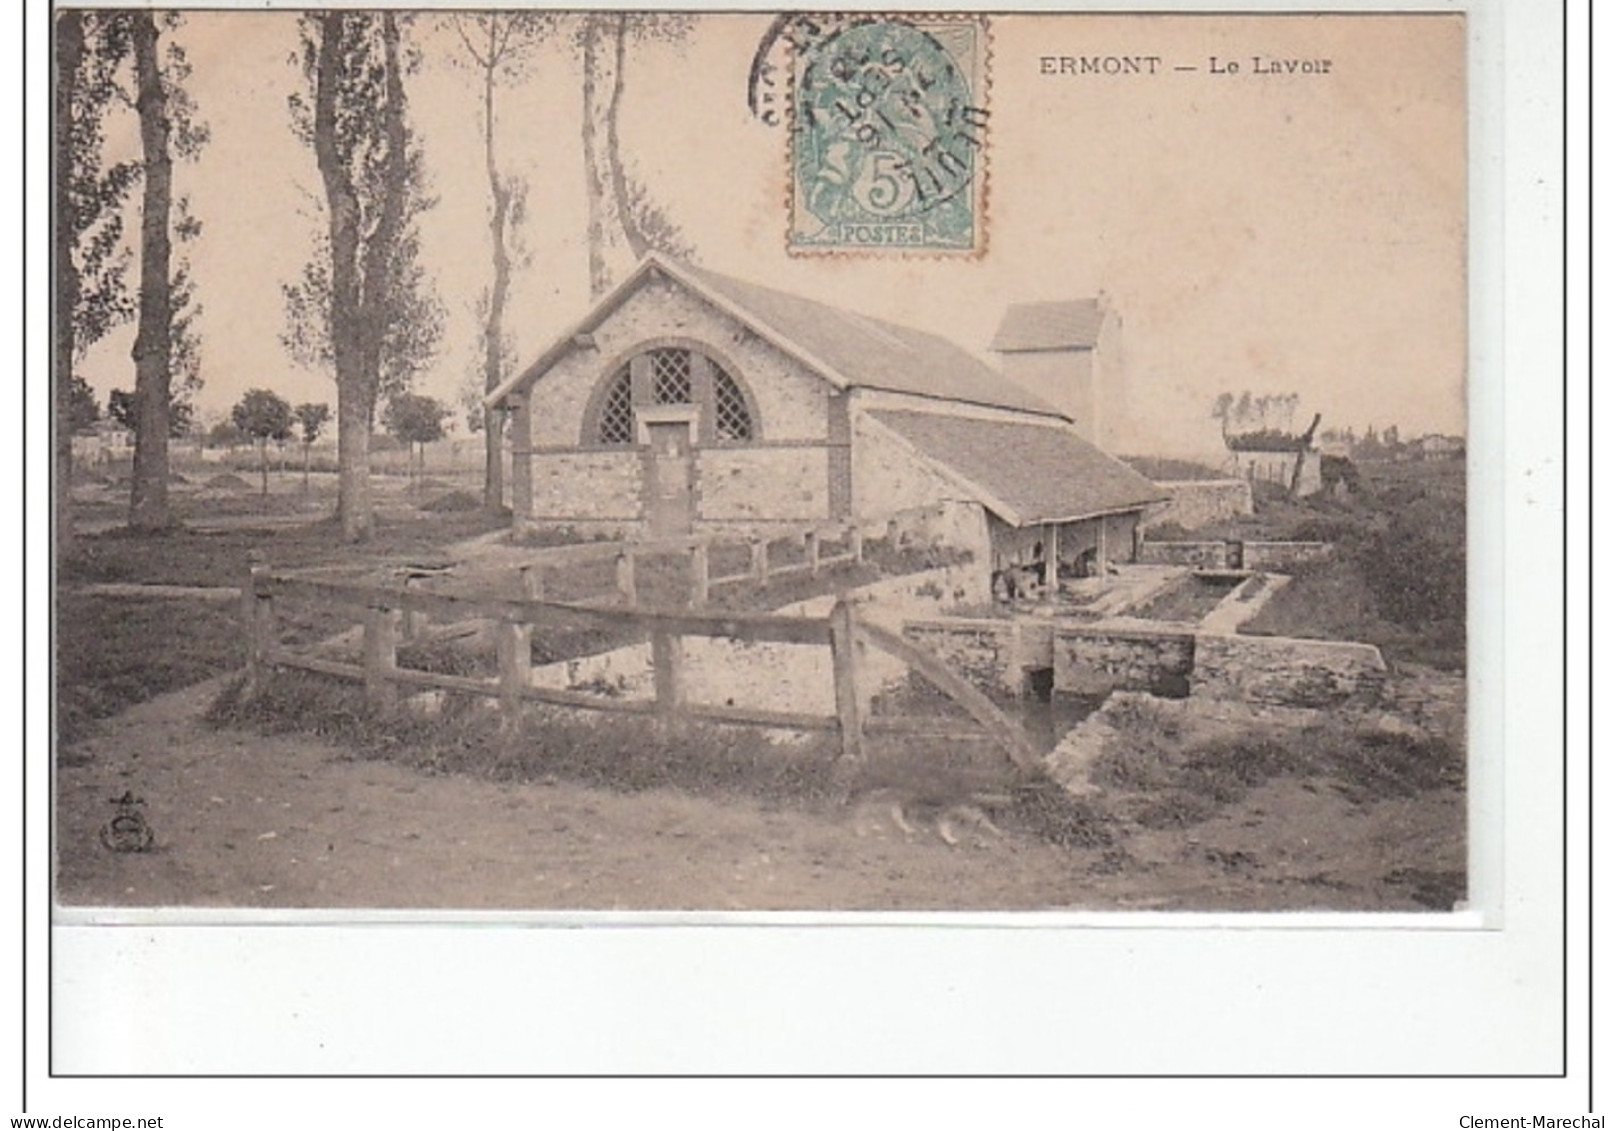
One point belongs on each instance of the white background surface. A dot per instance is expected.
(1184, 999)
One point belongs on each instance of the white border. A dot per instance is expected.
(405, 996)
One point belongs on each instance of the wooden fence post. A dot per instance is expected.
(413, 621)
(810, 544)
(625, 577)
(533, 581)
(380, 655)
(700, 574)
(844, 655)
(515, 647)
(759, 559)
(258, 622)
(667, 660)
(855, 542)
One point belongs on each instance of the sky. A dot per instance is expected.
(1279, 233)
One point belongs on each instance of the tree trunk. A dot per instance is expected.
(493, 478)
(596, 175)
(354, 397)
(148, 495)
(263, 467)
(638, 245)
(353, 467)
(306, 447)
(69, 60)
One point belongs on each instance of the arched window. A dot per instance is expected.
(665, 376)
(617, 411)
(730, 417)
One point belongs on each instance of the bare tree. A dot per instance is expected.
(498, 47)
(364, 303)
(621, 212)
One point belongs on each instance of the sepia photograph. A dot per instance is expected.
(647, 461)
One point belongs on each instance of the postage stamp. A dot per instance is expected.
(888, 125)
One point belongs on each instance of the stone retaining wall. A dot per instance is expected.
(1232, 553)
(1200, 555)
(1089, 659)
(1096, 661)
(988, 652)
(1286, 672)
(1285, 555)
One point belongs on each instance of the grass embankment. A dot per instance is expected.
(1397, 579)
(1169, 770)
(632, 754)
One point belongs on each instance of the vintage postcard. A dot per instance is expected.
(741, 462)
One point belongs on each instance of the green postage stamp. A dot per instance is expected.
(888, 134)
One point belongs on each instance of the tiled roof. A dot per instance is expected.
(844, 347)
(1049, 326)
(1025, 473)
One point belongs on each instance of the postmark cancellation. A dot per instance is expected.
(888, 125)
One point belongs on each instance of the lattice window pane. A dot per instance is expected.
(729, 407)
(617, 412)
(670, 376)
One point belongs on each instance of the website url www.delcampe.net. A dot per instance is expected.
(86, 1122)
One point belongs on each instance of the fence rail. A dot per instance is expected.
(383, 611)
(761, 563)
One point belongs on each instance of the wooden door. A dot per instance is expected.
(669, 504)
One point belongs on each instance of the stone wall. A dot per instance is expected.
(1221, 555)
(889, 476)
(955, 525)
(783, 677)
(1286, 672)
(1200, 555)
(1198, 503)
(988, 652)
(593, 486)
(762, 485)
(1091, 660)
(1285, 555)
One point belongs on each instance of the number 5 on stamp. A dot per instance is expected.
(888, 136)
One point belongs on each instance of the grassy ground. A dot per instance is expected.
(114, 652)
(1167, 470)
(1397, 578)
(187, 557)
(1170, 767)
(632, 754)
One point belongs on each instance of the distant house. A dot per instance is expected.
(103, 442)
(1286, 460)
(687, 401)
(1069, 353)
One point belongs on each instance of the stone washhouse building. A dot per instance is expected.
(690, 402)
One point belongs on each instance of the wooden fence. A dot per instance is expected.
(762, 565)
(384, 610)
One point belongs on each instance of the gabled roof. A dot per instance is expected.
(847, 349)
(1025, 473)
(1050, 326)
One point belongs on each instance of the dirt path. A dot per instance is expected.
(248, 821)
(242, 820)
